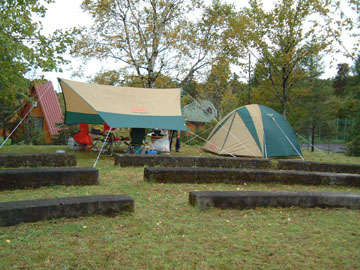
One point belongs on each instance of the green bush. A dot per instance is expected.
(65, 132)
(354, 142)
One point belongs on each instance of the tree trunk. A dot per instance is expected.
(283, 105)
(312, 137)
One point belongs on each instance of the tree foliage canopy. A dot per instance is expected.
(153, 37)
(23, 48)
(24, 51)
(282, 40)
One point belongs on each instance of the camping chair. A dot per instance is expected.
(112, 143)
(137, 145)
(83, 136)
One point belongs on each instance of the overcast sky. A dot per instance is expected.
(67, 13)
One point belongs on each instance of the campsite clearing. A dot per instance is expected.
(165, 232)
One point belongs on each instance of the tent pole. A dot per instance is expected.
(102, 147)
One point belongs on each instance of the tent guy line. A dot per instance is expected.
(215, 145)
(288, 138)
(217, 122)
(32, 106)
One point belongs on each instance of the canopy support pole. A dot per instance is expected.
(102, 147)
(288, 139)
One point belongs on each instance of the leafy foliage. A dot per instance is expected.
(152, 37)
(281, 39)
(65, 132)
(24, 50)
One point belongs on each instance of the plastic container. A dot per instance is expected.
(73, 145)
(151, 152)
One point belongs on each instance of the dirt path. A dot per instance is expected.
(328, 147)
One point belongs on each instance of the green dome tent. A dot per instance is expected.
(254, 131)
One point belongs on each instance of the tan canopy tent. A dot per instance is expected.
(122, 106)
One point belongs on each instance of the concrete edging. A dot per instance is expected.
(253, 199)
(15, 212)
(318, 166)
(190, 161)
(241, 176)
(38, 160)
(37, 177)
(176, 161)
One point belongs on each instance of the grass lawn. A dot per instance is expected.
(165, 232)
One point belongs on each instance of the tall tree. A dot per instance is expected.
(316, 112)
(217, 83)
(153, 37)
(351, 109)
(23, 49)
(340, 81)
(281, 37)
(342, 21)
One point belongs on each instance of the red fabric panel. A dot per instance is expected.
(82, 138)
(84, 128)
(83, 135)
(107, 127)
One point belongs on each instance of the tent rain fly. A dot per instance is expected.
(122, 107)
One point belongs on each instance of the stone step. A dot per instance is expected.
(38, 160)
(241, 176)
(318, 166)
(37, 177)
(189, 161)
(253, 199)
(178, 161)
(15, 212)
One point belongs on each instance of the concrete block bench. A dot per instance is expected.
(38, 160)
(12, 213)
(190, 161)
(241, 176)
(318, 166)
(253, 199)
(37, 177)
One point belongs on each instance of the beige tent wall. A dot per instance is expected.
(233, 138)
(255, 113)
